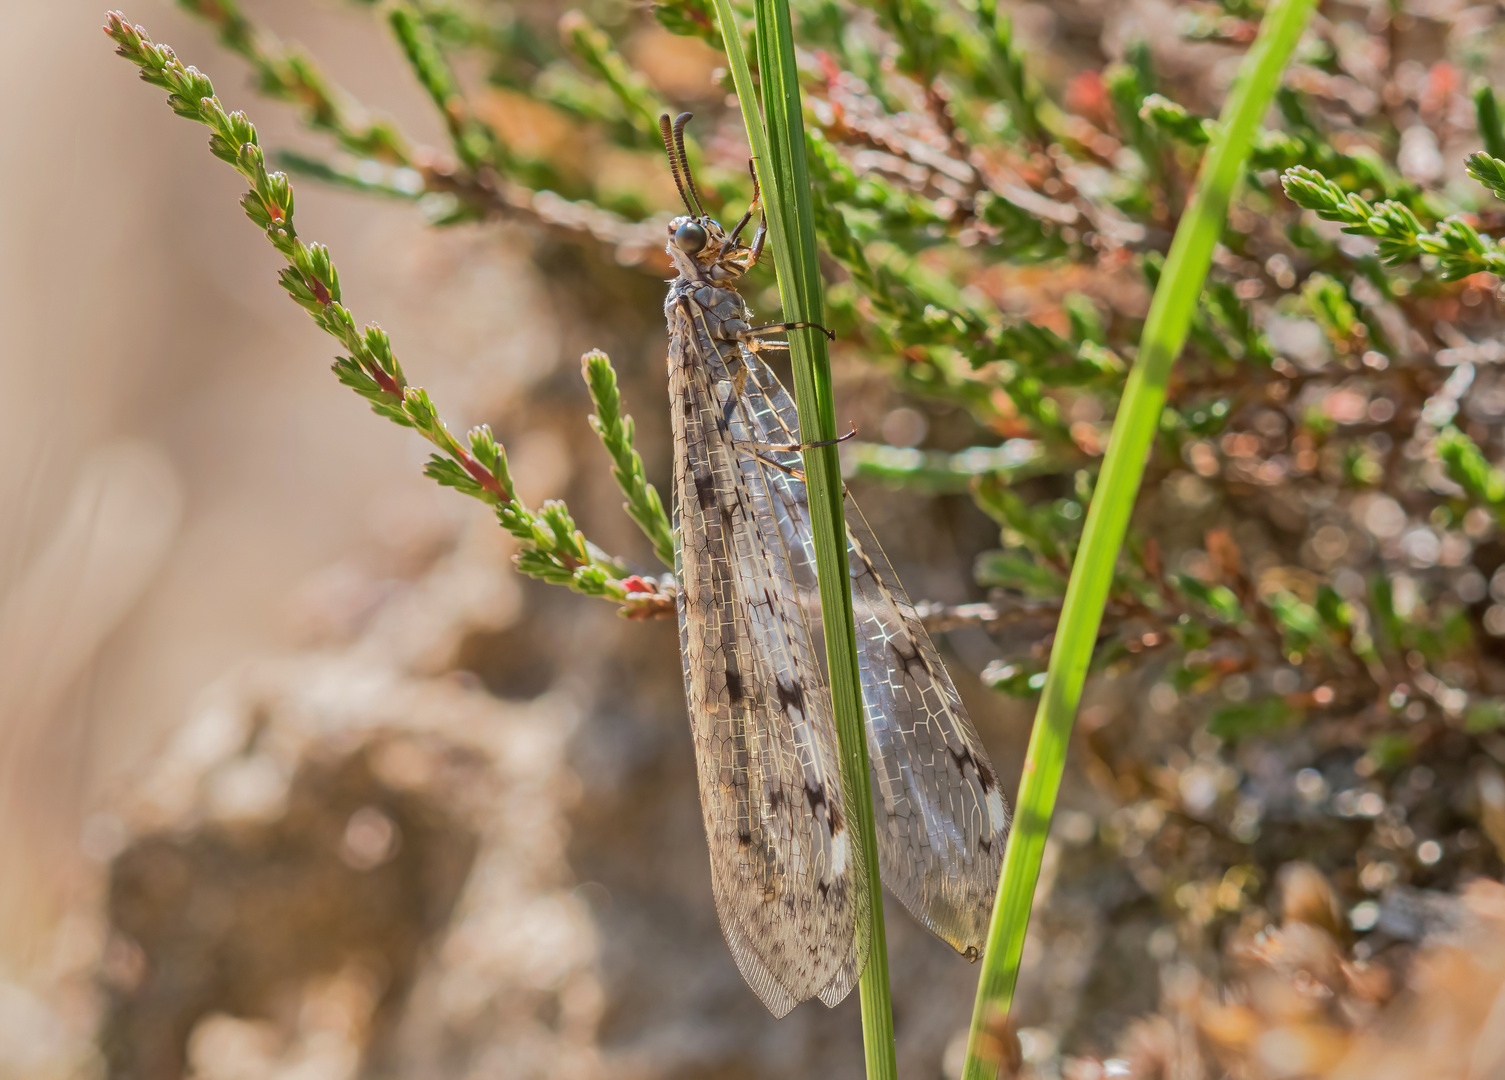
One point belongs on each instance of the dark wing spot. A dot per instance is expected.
(734, 691)
(816, 796)
(744, 838)
(791, 695)
(910, 660)
(775, 800)
(834, 818)
(963, 758)
(705, 491)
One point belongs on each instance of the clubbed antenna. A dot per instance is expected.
(669, 139)
(684, 160)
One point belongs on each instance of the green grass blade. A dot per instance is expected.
(1092, 573)
(779, 156)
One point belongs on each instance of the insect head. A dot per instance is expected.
(700, 248)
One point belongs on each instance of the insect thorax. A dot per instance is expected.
(717, 316)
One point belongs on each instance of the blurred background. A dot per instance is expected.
(299, 778)
(213, 558)
(185, 463)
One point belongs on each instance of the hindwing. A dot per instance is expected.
(941, 816)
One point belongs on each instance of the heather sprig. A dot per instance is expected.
(616, 432)
(475, 143)
(1468, 468)
(552, 547)
(1489, 171)
(1487, 118)
(1173, 119)
(1032, 113)
(1457, 246)
(288, 74)
(485, 180)
(594, 49)
(1287, 149)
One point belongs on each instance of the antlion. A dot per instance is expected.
(785, 868)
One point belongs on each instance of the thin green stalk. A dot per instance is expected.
(779, 157)
(1107, 520)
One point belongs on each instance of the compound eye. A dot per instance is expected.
(690, 237)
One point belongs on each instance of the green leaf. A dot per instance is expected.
(474, 143)
(1336, 613)
(1244, 719)
(1489, 171)
(1020, 679)
(1220, 600)
(1298, 621)
(1484, 715)
(1174, 120)
(449, 473)
(1487, 114)
(553, 548)
(1310, 190)
(1382, 603)
(1003, 569)
(689, 18)
(1327, 299)
(590, 43)
(1467, 467)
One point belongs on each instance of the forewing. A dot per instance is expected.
(786, 875)
(942, 819)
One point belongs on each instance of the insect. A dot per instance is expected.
(786, 868)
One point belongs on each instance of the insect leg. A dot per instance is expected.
(788, 470)
(795, 448)
(755, 250)
(752, 208)
(779, 327)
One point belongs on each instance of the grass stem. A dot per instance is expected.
(779, 158)
(1134, 429)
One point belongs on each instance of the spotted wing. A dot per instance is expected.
(941, 816)
(786, 874)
